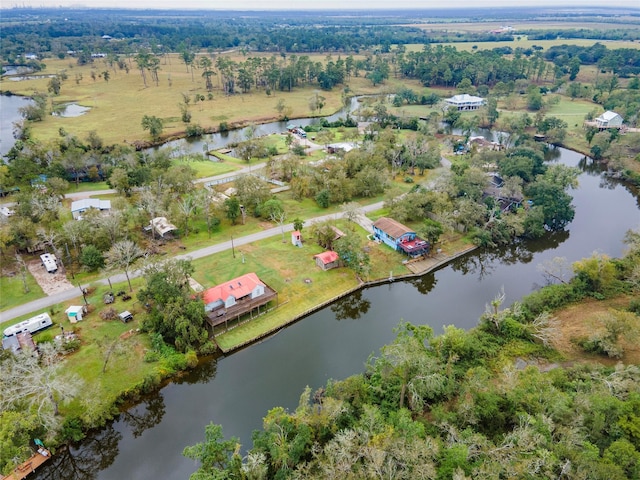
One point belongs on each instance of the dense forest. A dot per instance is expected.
(54, 32)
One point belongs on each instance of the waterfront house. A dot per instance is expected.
(399, 237)
(327, 260)
(235, 298)
(81, 206)
(504, 199)
(609, 119)
(465, 102)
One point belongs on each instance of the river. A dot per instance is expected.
(146, 442)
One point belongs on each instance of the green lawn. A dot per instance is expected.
(87, 187)
(572, 111)
(207, 168)
(12, 291)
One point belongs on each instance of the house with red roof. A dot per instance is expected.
(229, 293)
(327, 260)
(235, 298)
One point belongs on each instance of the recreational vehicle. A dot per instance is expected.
(31, 325)
(49, 262)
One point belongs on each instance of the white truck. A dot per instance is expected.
(49, 262)
(31, 325)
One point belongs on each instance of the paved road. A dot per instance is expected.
(46, 302)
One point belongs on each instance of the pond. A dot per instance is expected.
(147, 440)
(71, 110)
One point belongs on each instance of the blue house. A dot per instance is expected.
(399, 237)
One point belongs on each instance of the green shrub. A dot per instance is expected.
(151, 356)
(191, 359)
(194, 130)
(72, 429)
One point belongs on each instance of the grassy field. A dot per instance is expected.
(525, 43)
(118, 105)
(12, 291)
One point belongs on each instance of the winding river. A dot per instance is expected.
(147, 440)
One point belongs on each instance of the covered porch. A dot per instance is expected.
(223, 319)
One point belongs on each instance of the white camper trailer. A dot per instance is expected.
(49, 262)
(31, 325)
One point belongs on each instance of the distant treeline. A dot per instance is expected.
(613, 34)
(621, 61)
(55, 32)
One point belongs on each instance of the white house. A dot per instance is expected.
(465, 102)
(609, 119)
(80, 206)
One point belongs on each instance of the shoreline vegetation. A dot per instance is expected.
(131, 363)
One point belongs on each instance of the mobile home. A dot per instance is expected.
(31, 325)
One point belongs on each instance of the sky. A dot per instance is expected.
(309, 5)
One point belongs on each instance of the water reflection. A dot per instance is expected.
(351, 307)
(96, 452)
(203, 373)
(424, 284)
(145, 415)
(70, 110)
(484, 262)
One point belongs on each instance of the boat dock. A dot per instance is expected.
(27, 468)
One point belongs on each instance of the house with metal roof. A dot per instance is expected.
(465, 102)
(235, 298)
(399, 237)
(327, 260)
(81, 206)
(609, 119)
(162, 226)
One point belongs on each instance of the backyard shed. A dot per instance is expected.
(327, 260)
(75, 313)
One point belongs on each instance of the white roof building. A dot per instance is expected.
(465, 102)
(80, 206)
(609, 119)
(162, 226)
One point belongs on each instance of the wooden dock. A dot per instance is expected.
(27, 468)
(426, 264)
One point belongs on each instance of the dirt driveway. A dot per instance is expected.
(51, 283)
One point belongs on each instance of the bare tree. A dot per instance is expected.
(555, 269)
(122, 255)
(351, 211)
(279, 217)
(23, 272)
(39, 381)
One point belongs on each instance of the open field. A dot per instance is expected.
(567, 23)
(118, 105)
(582, 320)
(525, 43)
